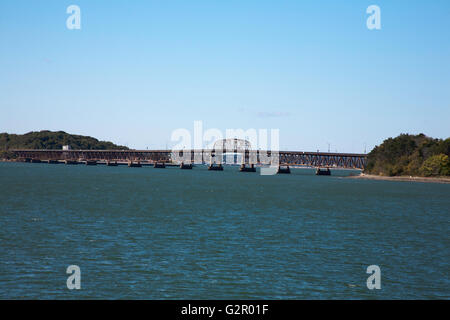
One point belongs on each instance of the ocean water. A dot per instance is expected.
(145, 233)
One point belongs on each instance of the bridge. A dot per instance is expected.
(223, 151)
(258, 157)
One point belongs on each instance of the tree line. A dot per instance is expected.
(413, 155)
(51, 140)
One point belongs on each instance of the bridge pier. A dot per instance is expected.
(160, 165)
(286, 170)
(324, 172)
(244, 168)
(132, 164)
(215, 167)
(185, 166)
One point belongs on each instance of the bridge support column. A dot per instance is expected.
(323, 172)
(244, 168)
(215, 167)
(160, 165)
(286, 169)
(185, 166)
(132, 164)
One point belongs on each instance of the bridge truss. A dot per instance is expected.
(291, 158)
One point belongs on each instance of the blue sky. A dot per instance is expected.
(137, 70)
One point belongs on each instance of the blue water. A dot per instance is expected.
(146, 233)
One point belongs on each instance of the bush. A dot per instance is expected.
(437, 165)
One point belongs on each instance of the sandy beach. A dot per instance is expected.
(402, 178)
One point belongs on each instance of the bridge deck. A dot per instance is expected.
(316, 159)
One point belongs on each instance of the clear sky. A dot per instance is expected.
(137, 70)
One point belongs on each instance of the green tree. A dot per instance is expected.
(437, 165)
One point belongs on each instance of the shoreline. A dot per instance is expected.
(402, 178)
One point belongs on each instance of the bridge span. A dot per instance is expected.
(258, 157)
